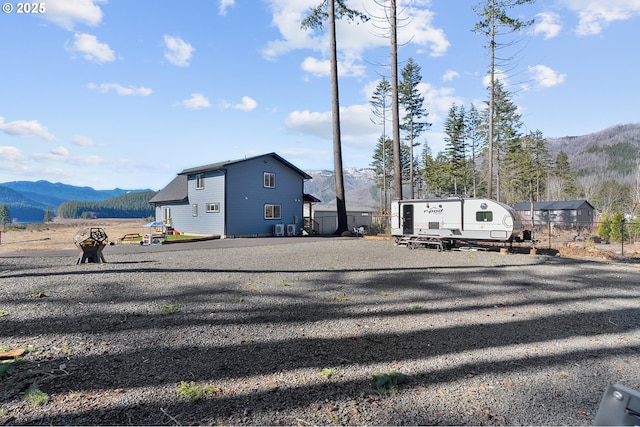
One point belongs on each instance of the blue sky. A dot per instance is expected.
(127, 93)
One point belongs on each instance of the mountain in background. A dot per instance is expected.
(28, 200)
(612, 154)
(359, 186)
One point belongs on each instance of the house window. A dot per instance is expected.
(213, 207)
(199, 182)
(269, 180)
(579, 212)
(272, 212)
(194, 209)
(484, 216)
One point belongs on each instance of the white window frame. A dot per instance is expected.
(269, 180)
(166, 214)
(272, 211)
(213, 207)
(194, 210)
(200, 181)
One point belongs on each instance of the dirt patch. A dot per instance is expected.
(58, 235)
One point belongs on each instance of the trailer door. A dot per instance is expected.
(407, 218)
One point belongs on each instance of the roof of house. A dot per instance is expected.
(175, 191)
(178, 191)
(552, 206)
(222, 165)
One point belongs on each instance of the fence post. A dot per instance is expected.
(622, 236)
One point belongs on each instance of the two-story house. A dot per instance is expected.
(256, 196)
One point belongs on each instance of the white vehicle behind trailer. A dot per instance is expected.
(440, 222)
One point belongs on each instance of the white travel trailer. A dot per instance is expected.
(440, 222)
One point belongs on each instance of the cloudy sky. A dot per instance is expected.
(121, 93)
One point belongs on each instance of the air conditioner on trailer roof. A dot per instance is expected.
(291, 229)
(278, 230)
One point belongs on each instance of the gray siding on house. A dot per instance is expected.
(563, 213)
(238, 187)
(213, 192)
(247, 196)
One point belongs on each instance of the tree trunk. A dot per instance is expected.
(341, 205)
(395, 105)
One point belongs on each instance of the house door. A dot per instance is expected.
(407, 219)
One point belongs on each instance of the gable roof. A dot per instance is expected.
(175, 191)
(552, 206)
(222, 165)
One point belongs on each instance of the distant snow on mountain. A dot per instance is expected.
(359, 185)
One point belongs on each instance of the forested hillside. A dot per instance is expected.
(132, 205)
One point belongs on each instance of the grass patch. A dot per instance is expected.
(7, 367)
(4, 313)
(388, 383)
(415, 306)
(35, 396)
(195, 392)
(237, 299)
(169, 309)
(36, 293)
(383, 293)
(327, 373)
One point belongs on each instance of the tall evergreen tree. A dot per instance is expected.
(507, 126)
(382, 165)
(494, 22)
(564, 177)
(475, 138)
(414, 121)
(456, 149)
(327, 11)
(380, 107)
(536, 145)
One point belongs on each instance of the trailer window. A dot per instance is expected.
(484, 216)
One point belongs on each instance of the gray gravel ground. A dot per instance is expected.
(292, 331)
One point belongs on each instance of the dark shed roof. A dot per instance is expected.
(552, 206)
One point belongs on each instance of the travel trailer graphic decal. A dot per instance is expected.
(434, 211)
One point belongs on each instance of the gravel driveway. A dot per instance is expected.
(293, 331)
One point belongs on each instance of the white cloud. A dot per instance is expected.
(120, 90)
(26, 128)
(10, 153)
(224, 5)
(60, 151)
(178, 51)
(354, 37)
(450, 75)
(419, 30)
(355, 126)
(545, 76)
(66, 13)
(322, 68)
(548, 25)
(83, 141)
(594, 15)
(196, 102)
(92, 49)
(247, 104)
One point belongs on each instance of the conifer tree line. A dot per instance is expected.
(523, 165)
(489, 150)
(524, 169)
